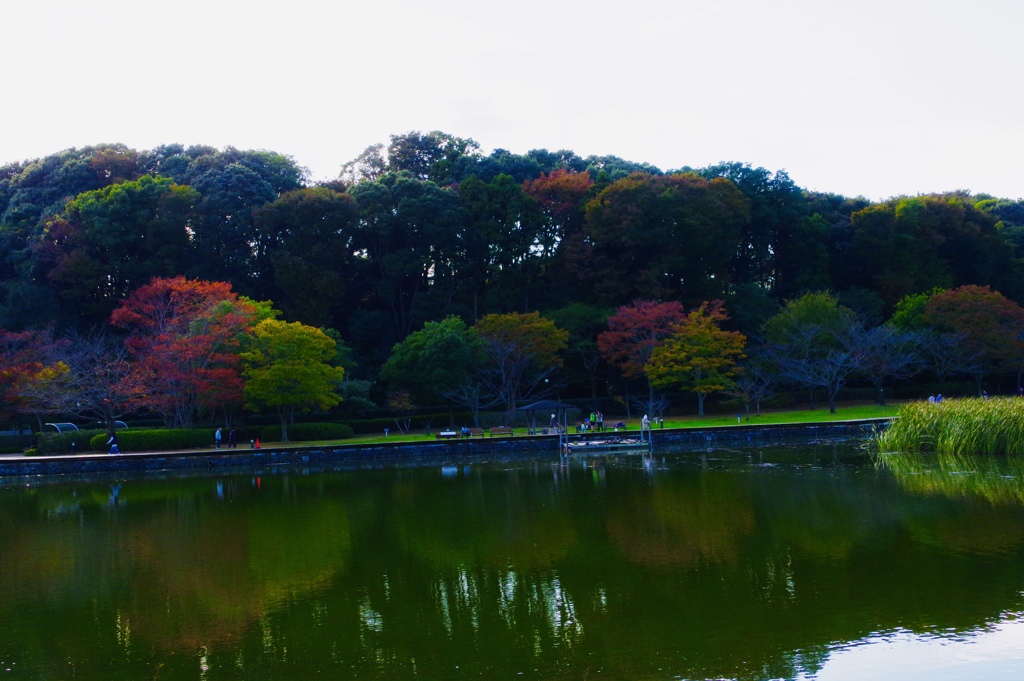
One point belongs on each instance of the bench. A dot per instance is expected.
(501, 430)
(446, 435)
(476, 432)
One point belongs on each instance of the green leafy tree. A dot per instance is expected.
(228, 247)
(434, 361)
(665, 237)
(287, 369)
(584, 324)
(408, 238)
(430, 156)
(32, 194)
(111, 241)
(812, 341)
(913, 244)
(503, 251)
(910, 311)
(307, 236)
(699, 355)
(774, 244)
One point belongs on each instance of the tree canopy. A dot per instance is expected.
(425, 228)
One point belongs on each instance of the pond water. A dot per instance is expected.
(780, 563)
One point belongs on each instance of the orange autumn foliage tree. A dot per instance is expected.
(26, 359)
(699, 355)
(185, 336)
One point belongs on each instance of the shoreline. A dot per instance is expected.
(695, 439)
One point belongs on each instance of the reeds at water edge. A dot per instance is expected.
(957, 426)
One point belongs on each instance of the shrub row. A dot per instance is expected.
(165, 439)
(12, 444)
(71, 442)
(157, 440)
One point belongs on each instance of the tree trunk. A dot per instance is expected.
(284, 427)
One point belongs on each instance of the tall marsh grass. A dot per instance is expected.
(957, 426)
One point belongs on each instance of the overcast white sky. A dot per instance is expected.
(859, 97)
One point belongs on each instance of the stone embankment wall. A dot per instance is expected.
(684, 439)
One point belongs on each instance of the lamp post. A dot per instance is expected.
(558, 398)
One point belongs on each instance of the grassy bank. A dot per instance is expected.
(845, 412)
(960, 426)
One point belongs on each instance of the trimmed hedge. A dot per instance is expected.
(306, 432)
(12, 444)
(162, 439)
(72, 442)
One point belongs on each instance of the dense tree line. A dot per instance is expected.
(427, 228)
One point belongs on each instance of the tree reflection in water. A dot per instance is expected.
(731, 566)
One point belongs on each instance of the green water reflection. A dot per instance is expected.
(736, 565)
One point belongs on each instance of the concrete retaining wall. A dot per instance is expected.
(687, 439)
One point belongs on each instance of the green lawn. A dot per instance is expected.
(844, 412)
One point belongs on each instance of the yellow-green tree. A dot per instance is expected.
(287, 369)
(523, 350)
(700, 355)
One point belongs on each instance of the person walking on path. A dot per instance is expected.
(216, 438)
(113, 443)
(232, 439)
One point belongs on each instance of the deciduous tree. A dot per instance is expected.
(522, 350)
(699, 355)
(991, 326)
(98, 383)
(888, 353)
(287, 369)
(812, 342)
(634, 332)
(185, 336)
(28, 361)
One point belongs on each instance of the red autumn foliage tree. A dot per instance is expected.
(989, 324)
(635, 331)
(561, 195)
(185, 336)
